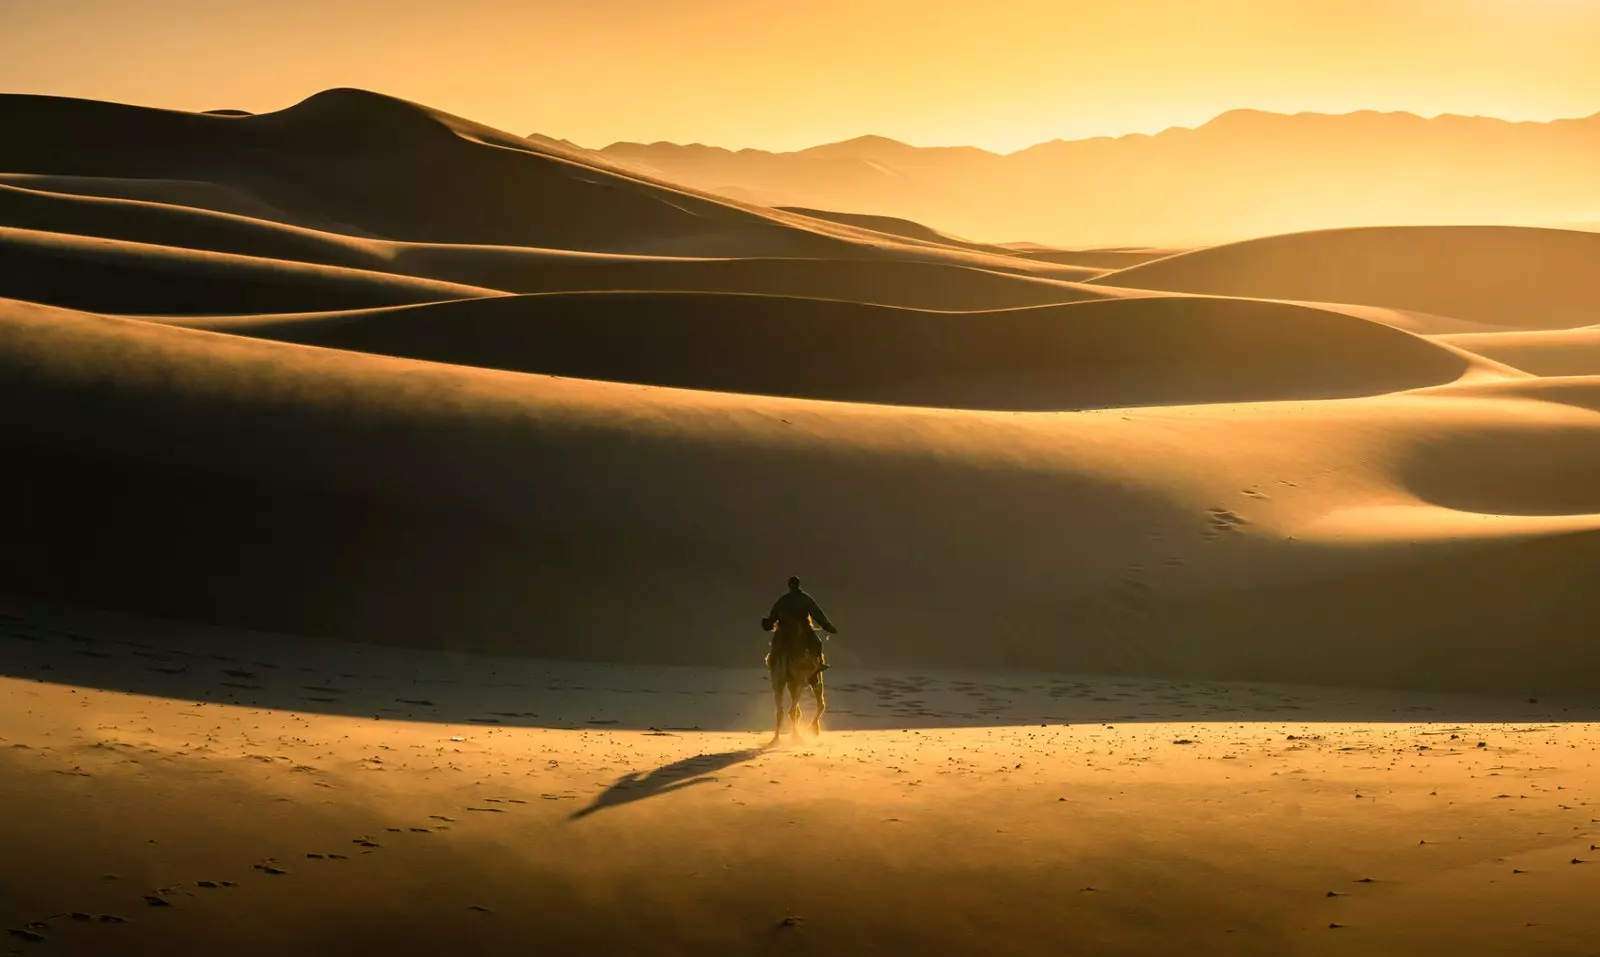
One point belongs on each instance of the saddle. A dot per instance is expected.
(798, 633)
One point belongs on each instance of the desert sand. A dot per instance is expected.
(394, 499)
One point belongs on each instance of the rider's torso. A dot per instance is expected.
(794, 606)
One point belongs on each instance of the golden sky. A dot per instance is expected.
(785, 74)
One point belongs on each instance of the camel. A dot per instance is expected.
(793, 664)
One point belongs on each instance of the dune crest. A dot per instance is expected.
(1115, 352)
(360, 368)
(1501, 275)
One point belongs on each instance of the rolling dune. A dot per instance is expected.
(497, 406)
(373, 165)
(1547, 352)
(91, 273)
(1504, 275)
(1156, 351)
(393, 500)
(507, 505)
(913, 282)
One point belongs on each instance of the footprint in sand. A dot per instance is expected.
(1224, 520)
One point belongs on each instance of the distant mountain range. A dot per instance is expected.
(1245, 173)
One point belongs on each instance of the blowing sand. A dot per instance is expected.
(395, 499)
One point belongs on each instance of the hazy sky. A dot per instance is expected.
(783, 74)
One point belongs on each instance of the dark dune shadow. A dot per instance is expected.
(176, 661)
(667, 778)
(75, 646)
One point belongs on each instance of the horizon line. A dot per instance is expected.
(1082, 139)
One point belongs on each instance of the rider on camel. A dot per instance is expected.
(797, 606)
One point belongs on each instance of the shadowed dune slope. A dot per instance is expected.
(1115, 352)
(191, 194)
(507, 268)
(908, 283)
(372, 165)
(439, 178)
(1504, 275)
(187, 226)
(301, 489)
(925, 284)
(111, 275)
(363, 369)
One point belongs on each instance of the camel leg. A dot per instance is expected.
(822, 703)
(795, 690)
(777, 707)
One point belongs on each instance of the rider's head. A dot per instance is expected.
(794, 583)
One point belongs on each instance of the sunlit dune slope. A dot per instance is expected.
(327, 492)
(62, 265)
(372, 165)
(1552, 352)
(1115, 352)
(446, 177)
(92, 273)
(363, 369)
(1100, 259)
(894, 227)
(1509, 276)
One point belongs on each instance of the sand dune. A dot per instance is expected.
(181, 225)
(1553, 352)
(316, 156)
(394, 499)
(348, 159)
(1508, 276)
(634, 424)
(142, 278)
(915, 281)
(1160, 351)
(895, 227)
(515, 503)
(171, 192)
(1106, 259)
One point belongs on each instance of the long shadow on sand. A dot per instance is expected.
(700, 769)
